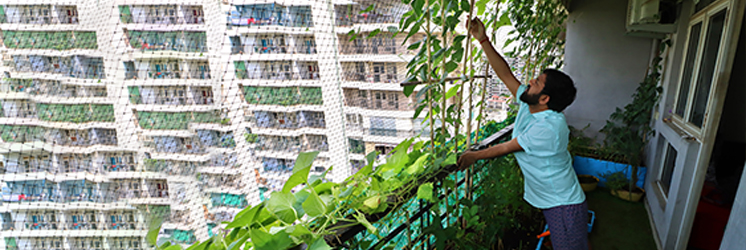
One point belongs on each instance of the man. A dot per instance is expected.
(539, 144)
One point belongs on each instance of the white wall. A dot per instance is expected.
(604, 63)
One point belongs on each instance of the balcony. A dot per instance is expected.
(177, 95)
(171, 144)
(172, 121)
(273, 44)
(378, 100)
(82, 220)
(155, 74)
(122, 221)
(39, 14)
(75, 113)
(228, 200)
(391, 132)
(80, 67)
(371, 78)
(180, 236)
(53, 40)
(283, 96)
(223, 182)
(161, 14)
(283, 120)
(277, 70)
(177, 41)
(125, 243)
(270, 14)
(292, 144)
(169, 167)
(211, 138)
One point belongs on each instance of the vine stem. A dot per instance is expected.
(443, 107)
(427, 74)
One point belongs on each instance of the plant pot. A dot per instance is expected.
(625, 194)
(588, 182)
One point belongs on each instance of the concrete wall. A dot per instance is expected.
(605, 63)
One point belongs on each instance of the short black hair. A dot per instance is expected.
(560, 88)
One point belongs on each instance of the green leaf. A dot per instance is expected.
(281, 205)
(300, 170)
(313, 205)
(312, 180)
(174, 247)
(237, 244)
(465, 6)
(425, 192)
(373, 202)
(200, 246)
(417, 166)
(453, 91)
(451, 160)
(360, 217)
(325, 187)
(155, 227)
(409, 89)
(245, 218)
(504, 20)
(366, 10)
(265, 241)
(374, 33)
(481, 6)
(451, 66)
(319, 244)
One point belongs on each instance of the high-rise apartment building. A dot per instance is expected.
(114, 113)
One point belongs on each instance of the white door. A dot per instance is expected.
(687, 134)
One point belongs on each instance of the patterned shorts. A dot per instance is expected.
(568, 226)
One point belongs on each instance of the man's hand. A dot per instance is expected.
(467, 159)
(476, 28)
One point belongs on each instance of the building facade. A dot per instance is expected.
(114, 115)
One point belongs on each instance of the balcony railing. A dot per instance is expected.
(152, 74)
(84, 225)
(391, 132)
(42, 225)
(413, 215)
(364, 18)
(349, 49)
(257, 49)
(168, 20)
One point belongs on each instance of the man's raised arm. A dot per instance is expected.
(498, 63)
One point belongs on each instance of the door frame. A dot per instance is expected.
(673, 223)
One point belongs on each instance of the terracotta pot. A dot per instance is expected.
(588, 186)
(625, 195)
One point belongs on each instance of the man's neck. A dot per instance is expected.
(537, 108)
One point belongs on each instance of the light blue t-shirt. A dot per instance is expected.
(549, 178)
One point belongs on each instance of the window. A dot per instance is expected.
(698, 70)
(669, 164)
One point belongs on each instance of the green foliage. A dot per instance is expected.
(540, 28)
(285, 96)
(57, 40)
(180, 120)
(76, 113)
(616, 180)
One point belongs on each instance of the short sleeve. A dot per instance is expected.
(539, 140)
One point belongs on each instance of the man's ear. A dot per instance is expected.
(544, 99)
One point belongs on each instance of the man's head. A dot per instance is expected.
(552, 88)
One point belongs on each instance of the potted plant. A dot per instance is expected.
(618, 183)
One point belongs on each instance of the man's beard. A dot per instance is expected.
(530, 99)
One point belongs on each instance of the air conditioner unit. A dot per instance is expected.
(646, 18)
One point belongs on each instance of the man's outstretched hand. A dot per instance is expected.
(467, 159)
(476, 28)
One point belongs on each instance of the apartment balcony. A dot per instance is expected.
(78, 67)
(372, 78)
(350, 19)
(228, 200)
(164, 75)
(287, 120)
(174, 121)
(39, 14)
(270, 14)
(161, 14)
(283, 96)
(50, 40)
(122, 221)
(221, 182)
(82, 220)
(171, 41)
(392, 132)
(272, 49)
(171, 168)
(125, 243)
